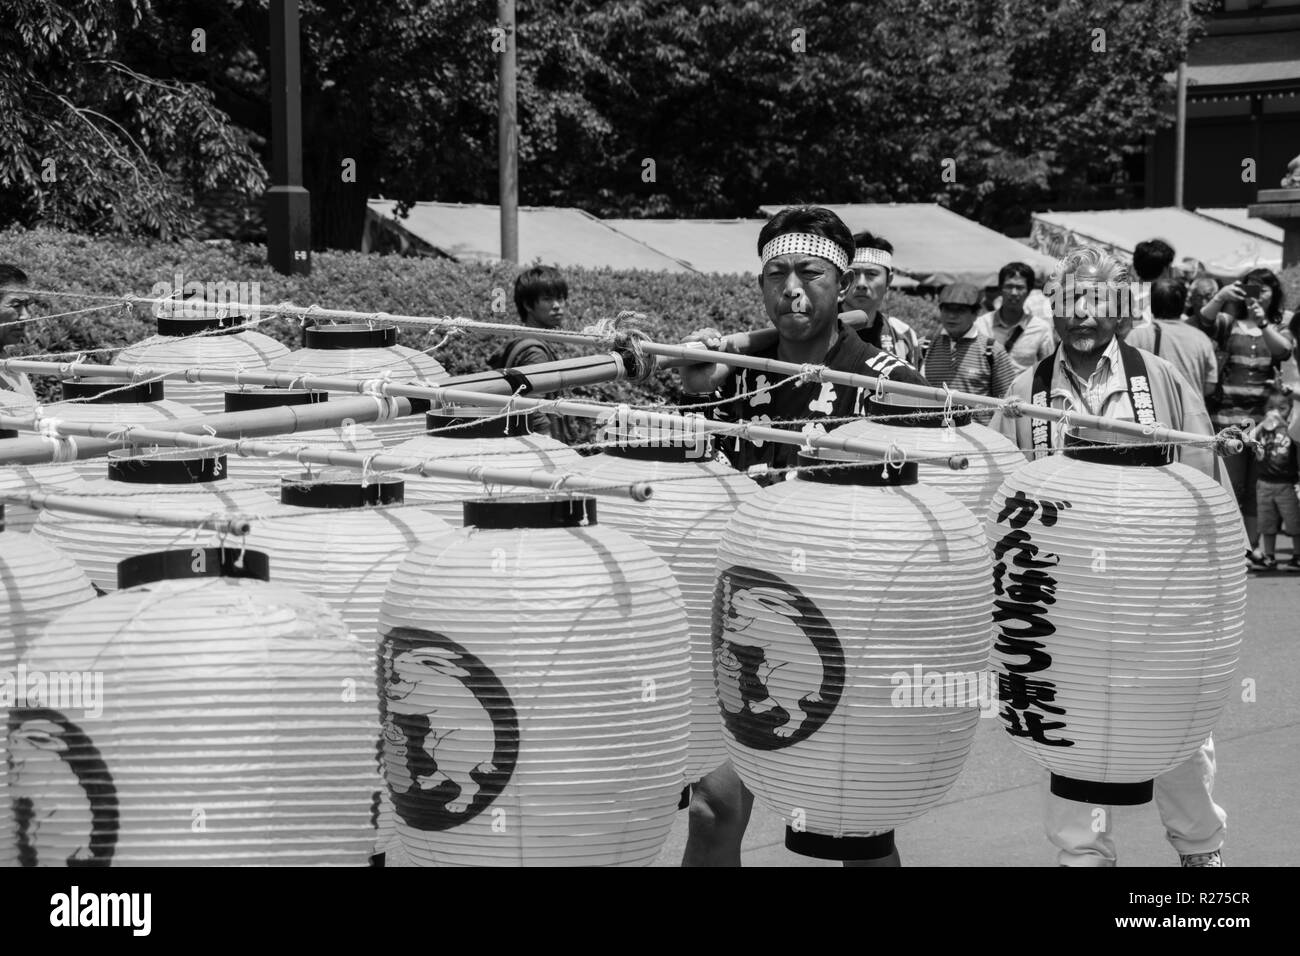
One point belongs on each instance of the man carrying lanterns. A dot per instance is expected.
(806, 254)
(1091, 371)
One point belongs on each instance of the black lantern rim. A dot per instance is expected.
(186, 563)
(674, 454)
(97, 390)
(867, 473)
(179, 327)
(821, 846)
(917, 416)
(247, 399)
(497, 514)
(191, 470)
(475, 423)
(341, 494)
(1116, 453)
(350, 336)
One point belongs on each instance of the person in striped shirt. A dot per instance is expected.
(963, 358)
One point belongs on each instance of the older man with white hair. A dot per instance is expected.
(1092, 371)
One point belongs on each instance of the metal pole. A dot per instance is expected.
(1180, 121)
(288, 205)
(508, 135)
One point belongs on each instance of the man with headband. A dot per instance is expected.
(1093, 372)
(805, 255)
(873, 270)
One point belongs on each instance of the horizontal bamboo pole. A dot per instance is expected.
(541, 478)
(471, 394)
(125, 511)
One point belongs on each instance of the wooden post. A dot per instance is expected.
(288, 205)
(508, 135)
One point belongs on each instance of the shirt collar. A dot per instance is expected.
(1109, 367)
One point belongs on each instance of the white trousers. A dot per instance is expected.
(1194, 823)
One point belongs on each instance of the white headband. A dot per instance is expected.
(873, 257)
(807, 244)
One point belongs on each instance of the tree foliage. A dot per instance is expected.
(89, 141)
(986, 106)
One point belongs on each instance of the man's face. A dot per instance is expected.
(956, 319)
(13, 308)
(801, 294)
(1096, 314)
(867, 291)
(1014, 291)
(548, 312)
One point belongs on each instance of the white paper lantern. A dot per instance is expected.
(335, 541)
(831, 589)
(266, 473)
(536, 691)
(924, 437)
(1120, 609)
(177, 480)
(694, 498)
(234, 727)
(115, 402)
(477, 436)
(32, 479)
(37, 584)
(364, 351)
(222, 344)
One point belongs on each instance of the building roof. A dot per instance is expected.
(1222, 63)
(1226, 251)
(469, 232)
(1237, 218)
(707, 245)
(936, 245)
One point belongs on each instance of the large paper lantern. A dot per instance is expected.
(841, 596)
(267, 472)
(694, 498)
(37, 584)
(32, 479)
(112, 401)
(335, 541)
(930, 438)
(235, 727)
(1120, 609)
(173, 480)
(535, 691)
(366, 351)
(224, 344)
(477, 436)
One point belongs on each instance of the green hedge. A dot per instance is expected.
(673, 303)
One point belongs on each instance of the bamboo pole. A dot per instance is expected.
(320, 415)
(541, 478)
(124, 511)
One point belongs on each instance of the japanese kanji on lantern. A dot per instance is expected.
(232, 725)
(1119, 612)
(535, 691)
(225, 343)
(818, 616)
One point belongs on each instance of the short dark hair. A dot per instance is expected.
(1016, 269)
(536, 283)
(1168, 296)
(1151, 259)
(1265, 276)
(11, 275)
(816, 220)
